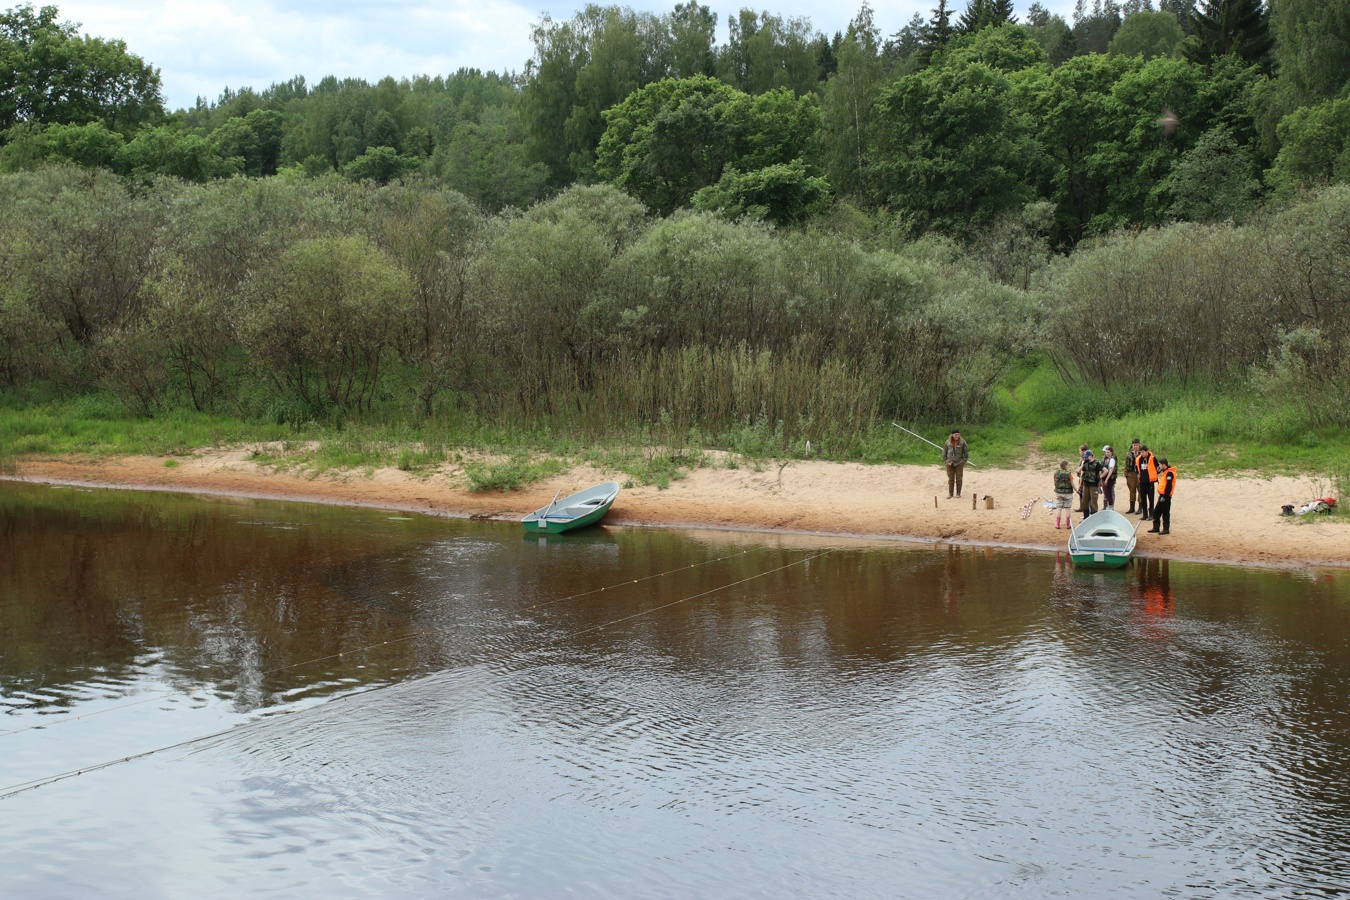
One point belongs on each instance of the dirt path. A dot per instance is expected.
(1225, 519)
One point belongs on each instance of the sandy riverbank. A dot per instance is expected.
(1225, 519)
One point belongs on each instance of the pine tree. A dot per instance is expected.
(938, 32)
(1221, 27)
(974, 18)
(981, 14)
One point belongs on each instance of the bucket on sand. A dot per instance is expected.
(988, 502)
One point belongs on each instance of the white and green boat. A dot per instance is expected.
(577, 511)
(1104, 540)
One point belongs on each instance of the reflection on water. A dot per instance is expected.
(447, 707)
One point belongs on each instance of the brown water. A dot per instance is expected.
(350, 702)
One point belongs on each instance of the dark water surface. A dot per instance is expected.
(410, 706)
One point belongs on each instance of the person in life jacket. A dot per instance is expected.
(1147, 465)
(1167, 486)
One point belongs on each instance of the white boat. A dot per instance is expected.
(577, 511)
(1103, 540)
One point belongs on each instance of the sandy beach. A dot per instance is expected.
(1234, 519)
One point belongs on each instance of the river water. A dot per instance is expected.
(295, 700)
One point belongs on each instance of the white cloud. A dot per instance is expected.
(202, 46)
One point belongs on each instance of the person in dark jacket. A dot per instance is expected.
(1089, 483)
(955, 453)
(1132, 473)
(1148, 474)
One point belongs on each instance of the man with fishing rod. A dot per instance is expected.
(955, 456)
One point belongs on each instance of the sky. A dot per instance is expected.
(204, 46)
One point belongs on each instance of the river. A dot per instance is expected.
(218, 696)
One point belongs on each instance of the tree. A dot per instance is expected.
(1312, 49)
(92, 145)
(383, 131)
(785, 193)
(49, 73)
(846, 110)
(765, 51)
(1147, 34)
(672, 138)
(380, 165)
(981, 14)
(432, 236)
(166, 150)
(254, 140)
(952, 152)
(1093, 31)
(1221, 27)
(693, 38)
(905, 44)
(324, 320)
(1315, 147)
(1007, 48)
(580, 69)
(486, 161)
(1214, 181)
(938, 33)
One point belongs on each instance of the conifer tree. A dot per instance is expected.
(938, 32)
(1221, 27)
(981, 14)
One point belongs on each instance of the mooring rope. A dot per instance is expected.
(33, 784)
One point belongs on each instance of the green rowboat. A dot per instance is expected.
(1104, 540)
(577, 511)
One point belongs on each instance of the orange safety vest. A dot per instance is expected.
(1167, 482)
(1148, 465)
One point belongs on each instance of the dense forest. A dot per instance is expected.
(806, 230)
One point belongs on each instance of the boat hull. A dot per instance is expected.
(1104, 540)
(577, 511)
(1100, 560)
(558, 526)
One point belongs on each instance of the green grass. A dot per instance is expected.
(1204, 429)
(510, 474)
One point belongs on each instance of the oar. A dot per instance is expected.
(549, 508)
(926, 440)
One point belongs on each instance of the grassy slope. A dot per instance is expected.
(1036, 412)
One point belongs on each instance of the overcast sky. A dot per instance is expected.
(203, 46)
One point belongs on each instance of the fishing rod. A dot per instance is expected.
(926, 440)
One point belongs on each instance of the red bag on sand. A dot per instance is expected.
(1329, 501)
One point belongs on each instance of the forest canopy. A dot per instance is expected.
(948, 123)
(643, 222)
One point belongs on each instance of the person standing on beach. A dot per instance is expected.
(954, 454)
(1089, 483)
(1108, 477)
(1167, 486)
(1148, 474)
(1063, 494)
(1132, 473)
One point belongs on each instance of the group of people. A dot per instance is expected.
(1151, 481)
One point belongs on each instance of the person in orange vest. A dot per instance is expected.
(1167, 486)
(1147, 465)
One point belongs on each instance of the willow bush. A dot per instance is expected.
(290, 299)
